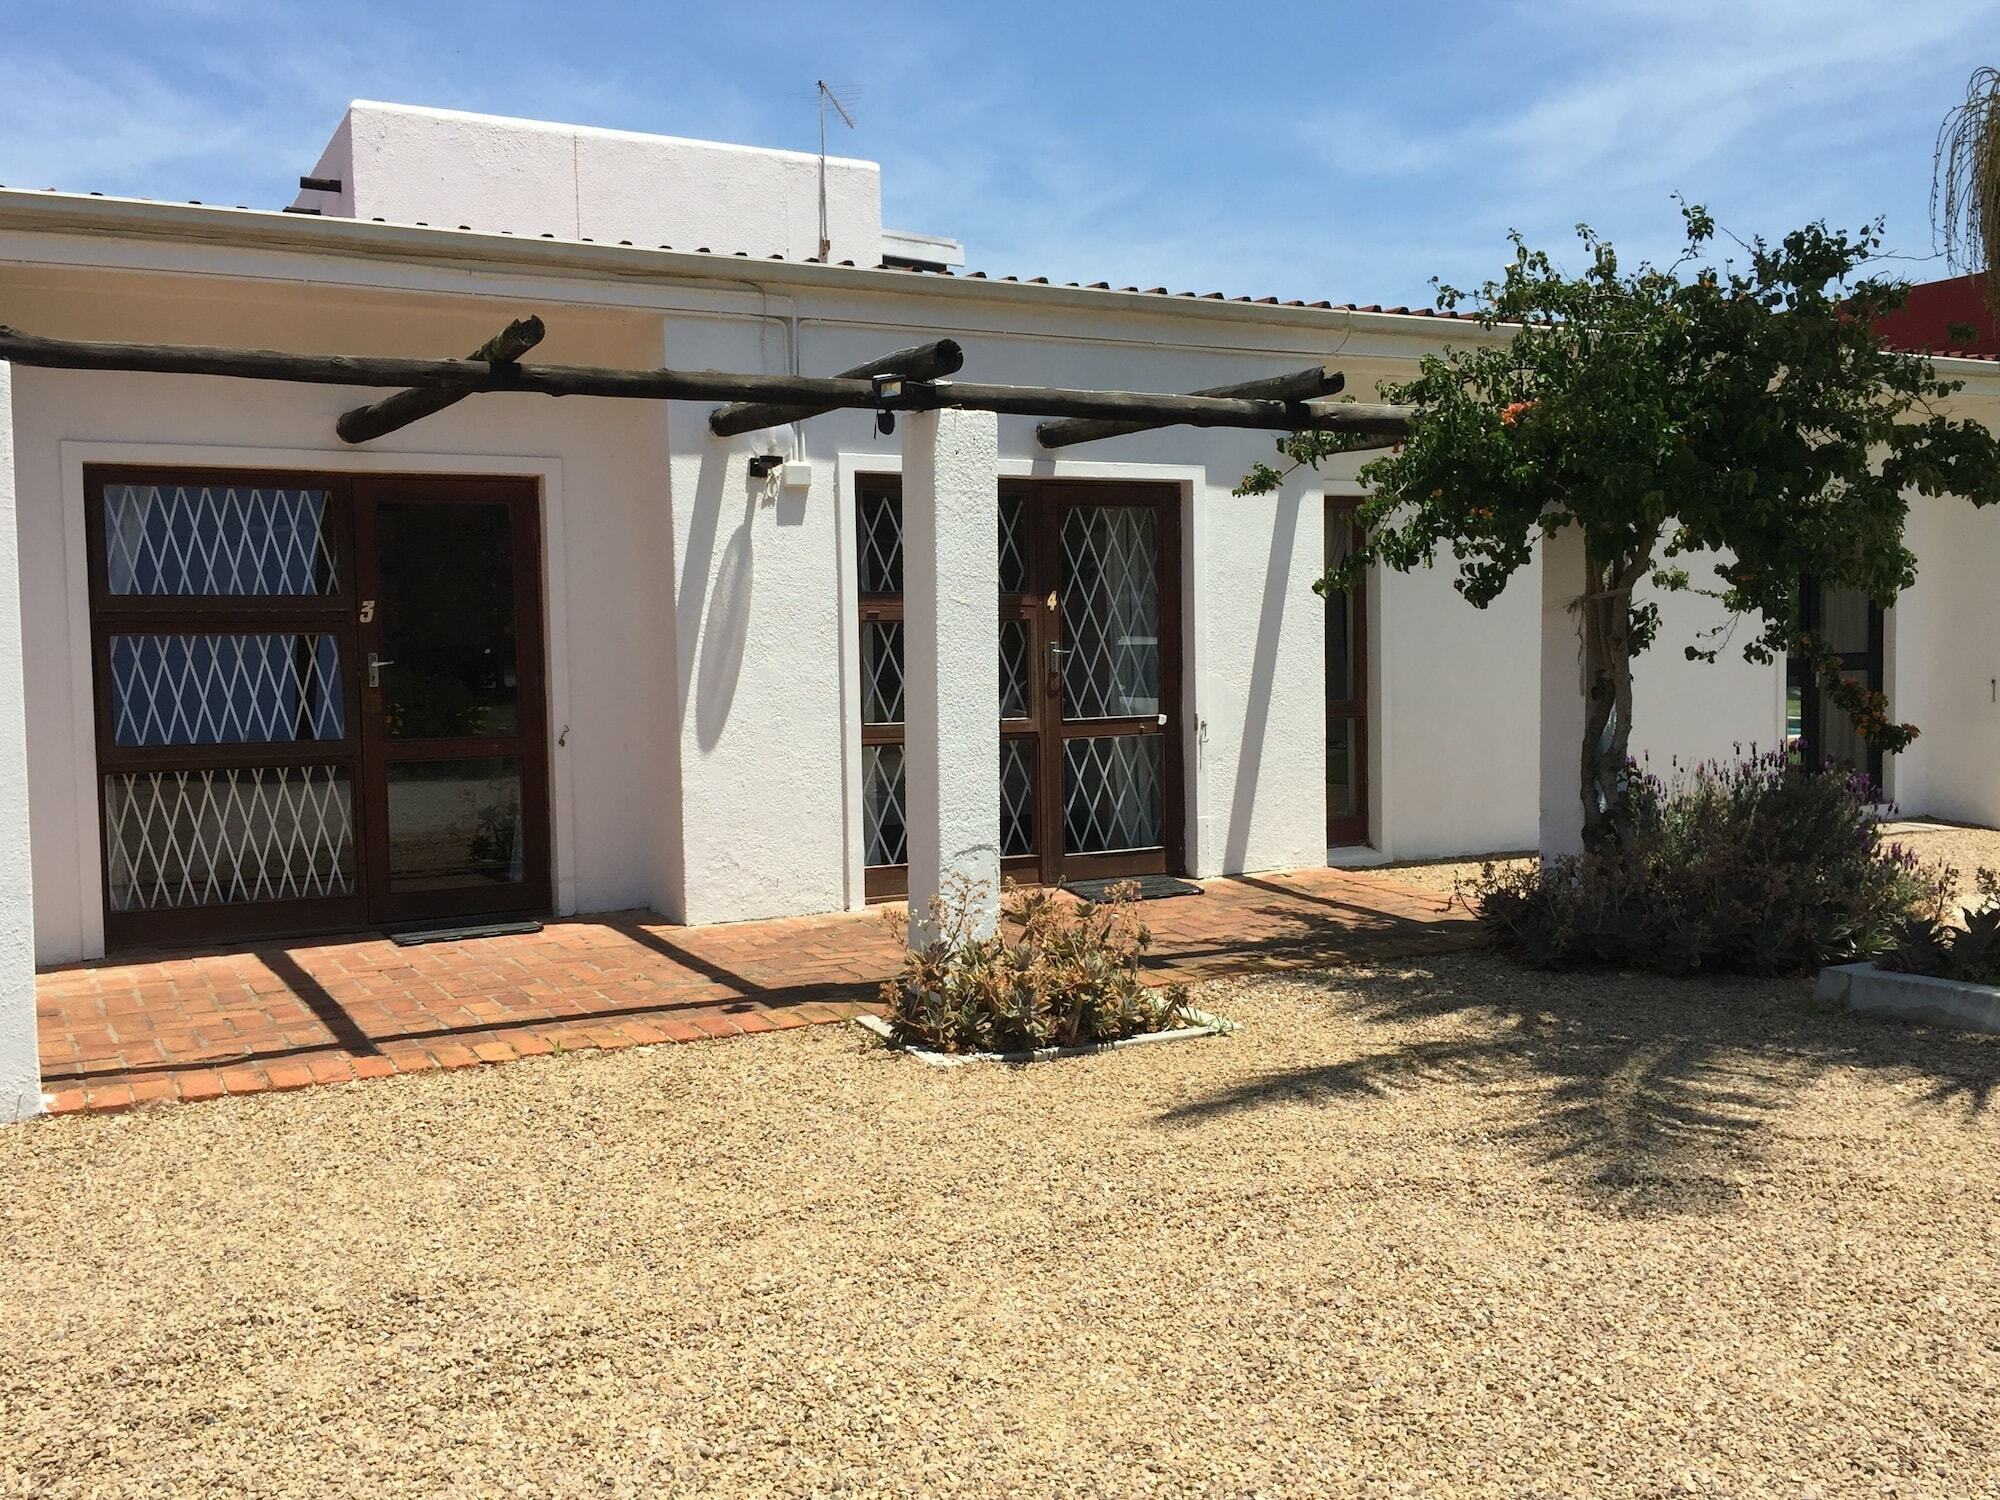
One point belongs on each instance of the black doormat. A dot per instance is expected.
(1151, 887)
(454, 934)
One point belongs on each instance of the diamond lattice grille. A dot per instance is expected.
(225, 689)
(1111, 612)
(217, 541)
(1013, 544)
(204, 838)
(885, 836)
(1111, 793)
(882, 672)
(1013, 669)
(1017, 797)
(879, 521)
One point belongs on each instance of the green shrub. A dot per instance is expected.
(1057, 974)
(1925, 944)
(1752, 866)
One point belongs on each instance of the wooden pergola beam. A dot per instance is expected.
(931, 361)
(1300, 385)
(466, 376)
(379, 418)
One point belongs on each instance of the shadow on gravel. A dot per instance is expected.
(1653, 1092)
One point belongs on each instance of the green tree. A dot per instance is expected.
(1749, 412)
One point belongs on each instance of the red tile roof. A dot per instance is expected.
(1938, 310)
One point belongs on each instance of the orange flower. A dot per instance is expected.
(1514, 413)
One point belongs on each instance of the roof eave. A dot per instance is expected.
(51, 212)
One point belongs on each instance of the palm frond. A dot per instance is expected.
(1965, 182)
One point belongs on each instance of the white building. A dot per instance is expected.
(532, 656)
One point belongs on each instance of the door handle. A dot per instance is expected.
(375, 666)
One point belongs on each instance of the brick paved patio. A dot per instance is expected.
(195, 1025)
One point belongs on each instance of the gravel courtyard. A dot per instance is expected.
(1454, 1229)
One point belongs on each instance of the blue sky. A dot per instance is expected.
(1296, 150)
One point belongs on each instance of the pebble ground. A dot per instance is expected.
(1457, 1229)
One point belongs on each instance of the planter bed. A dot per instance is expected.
(1914, 997)
(1205, 1025)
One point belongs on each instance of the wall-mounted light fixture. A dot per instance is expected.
(764, 465)
(887, 388)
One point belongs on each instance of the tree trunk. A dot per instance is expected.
(1604, 620)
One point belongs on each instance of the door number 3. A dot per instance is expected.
(367, 610)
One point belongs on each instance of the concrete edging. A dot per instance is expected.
(1914, 997)
(1206, 1025)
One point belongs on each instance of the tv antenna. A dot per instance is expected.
(826, 97)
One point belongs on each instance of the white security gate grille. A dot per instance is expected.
(252, 833)
(228, 746)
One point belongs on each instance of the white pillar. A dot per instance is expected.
(1562, 570)
(20, 1061)
(951, 658)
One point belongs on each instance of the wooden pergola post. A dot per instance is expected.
(20, 1057)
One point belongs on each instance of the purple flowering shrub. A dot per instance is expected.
(1750, 866)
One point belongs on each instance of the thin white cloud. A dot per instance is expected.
(62, 127)
(1362, 143)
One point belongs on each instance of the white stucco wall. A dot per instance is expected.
(1944, 662)
(408, 164)
(20, 1063)
(951, 557)
(1457, 718)
(601, 466)
(1690, 711)
(758, 684)
(703, 640)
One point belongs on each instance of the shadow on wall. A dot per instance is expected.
(712, 608)
(1263, 677)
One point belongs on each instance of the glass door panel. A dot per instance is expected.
(1112, 744)
(1111, 612)
(455, 823)
(445, 602)
(1111, 793)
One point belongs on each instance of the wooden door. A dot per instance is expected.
(1109, 782)
(1346, 688)
(1853, 627)
(449, 665)
(1089, 677)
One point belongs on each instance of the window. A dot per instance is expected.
(1853, 627)
(1346, 687)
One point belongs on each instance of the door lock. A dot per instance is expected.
(375, 666)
